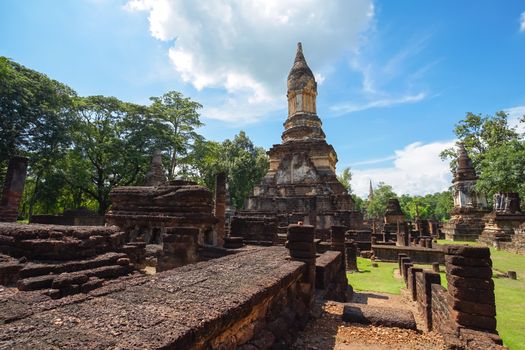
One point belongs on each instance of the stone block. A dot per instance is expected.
(469, 271)
(464, 261)
(471, 307)
(35, 283)
(487, 323)
(470, 283)
(473, 295)
(378, 316)
(67, 279)
(467, 251)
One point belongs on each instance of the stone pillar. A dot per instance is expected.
(13, 188)
(351, 255)
(300, 242)
(338, 241)
(470, 287)
(220, 207)
(399, 257)
(179, 248)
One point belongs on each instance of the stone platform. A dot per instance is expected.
(246, 298)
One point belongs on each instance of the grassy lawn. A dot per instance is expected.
(375, 279)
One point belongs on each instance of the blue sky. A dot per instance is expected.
(394, 76)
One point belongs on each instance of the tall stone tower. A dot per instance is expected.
(301, 184)
(466, 222)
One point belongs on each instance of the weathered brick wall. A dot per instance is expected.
(418, 255)
(424, 280)
(255, 230)
(330, 275)
(179, 248)
(441, 320)
(465, 313)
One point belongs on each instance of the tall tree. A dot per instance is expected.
(376, 206)
(180, 115)
(113, 143)
(503, 169)
(480, 134)
(245, 164)
(35, 114)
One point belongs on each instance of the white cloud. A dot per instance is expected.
(383, 102)
(246, 47)
(515, 115)
(522, 22)
(417, 170)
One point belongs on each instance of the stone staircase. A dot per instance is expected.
(62, 278)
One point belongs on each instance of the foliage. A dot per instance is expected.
(345, 178)
(244, 163)
(36, 113)
(496, 151)
(376, 206)
(435, 206)
(503, 169)
(359, 202)
(180, 117)
(479, 134)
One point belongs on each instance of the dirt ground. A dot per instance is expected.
(328, 331)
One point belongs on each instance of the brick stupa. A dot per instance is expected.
(466, 221)
(301, 184)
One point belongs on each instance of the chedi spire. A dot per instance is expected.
(465, 170)
(303, 122)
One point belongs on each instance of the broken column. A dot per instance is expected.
(351, 255)
(179, 248)
(13, 188)
(156, 175)
(300, 242)
(470, 287)
(338, 239)
(220, 207)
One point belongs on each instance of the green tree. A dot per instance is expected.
(359, 202)
(480, 134)
(35, 114)
(435, 206)
(376, 206)
(503, 169)
(180, 115)
(244, 163)
(113, 143)
(345, 178)
(495, 148)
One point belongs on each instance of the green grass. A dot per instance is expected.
(375, 279)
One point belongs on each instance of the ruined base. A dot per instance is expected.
(248, 300)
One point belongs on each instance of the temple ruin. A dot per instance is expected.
(301, 184)
(466, 222)
(93, 287)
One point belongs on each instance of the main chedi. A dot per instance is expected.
(301, 184)
(466, 222)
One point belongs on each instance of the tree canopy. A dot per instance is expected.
(80, 148)
(496, 150)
